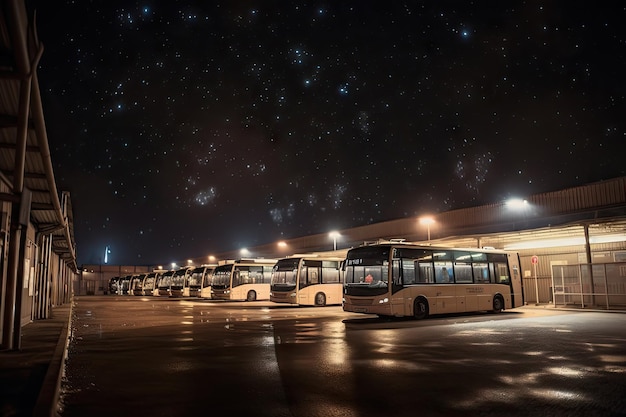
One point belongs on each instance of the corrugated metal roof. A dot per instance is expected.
(20, 51)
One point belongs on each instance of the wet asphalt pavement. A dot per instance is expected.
(132, 356)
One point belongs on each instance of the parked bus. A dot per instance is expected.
(179, 282)
(195, 280)
(244, 279)
(136, 284)
(113, 285)
(205, 290)
(405, 279)
(123, 285)
(149, 286)
(309, 279)
(165, 283)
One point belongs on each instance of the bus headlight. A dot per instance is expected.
(293, 294)
(383, 301)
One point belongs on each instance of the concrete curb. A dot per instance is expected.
(48, 398)
(551, 307)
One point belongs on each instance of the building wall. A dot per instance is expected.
(94, 279)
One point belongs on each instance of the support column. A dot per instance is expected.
(20, 214)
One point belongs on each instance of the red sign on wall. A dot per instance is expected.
(534, 260)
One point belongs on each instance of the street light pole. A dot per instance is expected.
(427, 221)
(334, 235)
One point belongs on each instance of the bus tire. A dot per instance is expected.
(420, 308)
(498, 304)
(320, 299)
(251, 296)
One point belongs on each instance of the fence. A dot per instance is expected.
(601, 285)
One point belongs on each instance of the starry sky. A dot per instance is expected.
(188, 128)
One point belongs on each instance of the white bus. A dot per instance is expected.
(150, 283)
(244, 279)
(136, 284)
(164, 284)
(179, 282)
(309, 279)
(195, 279)
(405, 279)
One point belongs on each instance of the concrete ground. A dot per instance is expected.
(31, 377)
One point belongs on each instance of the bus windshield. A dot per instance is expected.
(285, 274)
(195, 279)
(166, 279)
(178, 279)
(148, 283)
(221, 275)
(367, 268)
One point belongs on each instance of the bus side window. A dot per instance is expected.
(313, 276)
(303, 275)
(502, 273)
(463, 272)
(444, 273)
(481, 272)
(330, 272)
(408, 271)
(425, 272)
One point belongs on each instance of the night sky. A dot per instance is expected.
(183, 129)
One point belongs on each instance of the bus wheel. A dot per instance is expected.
(498, 304)
(420, 308)
(320, 299)
(251, 296)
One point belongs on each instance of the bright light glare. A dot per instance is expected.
(427, 220)
(517, 203)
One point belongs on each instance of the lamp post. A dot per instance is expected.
(427, 221)
(107, 252)
(334, 235)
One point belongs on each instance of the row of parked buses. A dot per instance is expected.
(304, 279)
(387, 278)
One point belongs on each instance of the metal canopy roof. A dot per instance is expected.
(20, 105)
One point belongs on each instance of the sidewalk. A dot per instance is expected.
(31, 377)
(574, 307)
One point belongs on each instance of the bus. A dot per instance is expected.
(244, 279)
(149, 286)
(165, 283)
(136, 284)
(314, 279)
(405, 279)
(179, 281)
(123, 285)
(113, 285)
(196, 279)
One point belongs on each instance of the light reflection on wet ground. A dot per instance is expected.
(179, 357)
